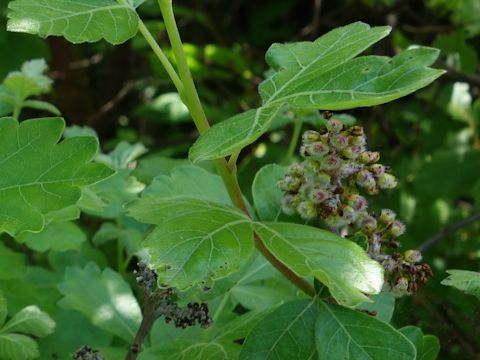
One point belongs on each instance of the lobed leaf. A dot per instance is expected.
(341, 265)
(40, 176)
(464, 280)
(30, 321)
(286, 333)
(342, 333)
(103, 297)
(195, 240)
(18, 347)
(76, 20)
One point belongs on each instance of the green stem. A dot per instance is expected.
(17, 110)
(161, 56)
(297, 129)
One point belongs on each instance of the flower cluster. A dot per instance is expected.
(87, 353)
(328, 185)
(164, 301)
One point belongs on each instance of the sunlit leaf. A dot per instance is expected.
(464, 280)
(77, 20)
(341, 265)
(195, 240)
(40, 176)
(103, 297)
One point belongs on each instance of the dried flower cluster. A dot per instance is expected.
(87, 353)
(327, 185)
(165, 304)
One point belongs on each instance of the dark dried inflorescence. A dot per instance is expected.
(87, 353)
(328, 185)
(165, 304)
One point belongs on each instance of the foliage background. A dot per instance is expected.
(431, 139)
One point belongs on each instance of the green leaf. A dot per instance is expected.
(3, 309)
(233, 134)
(267, 196)
(367, 81)
(382, 304)
(192, 181)
(41, 105)
(77, 20)
(29, 81)
(299, 64)
(30, 321)
(428, 346)
(341, 265)
(18, 347)
(342, 333)
(322, 75)
(103, 297)
(195, 240)
(464, 280)
(12, 263)
(56, 236)
(40, 176)
(130, 238)
(286, 333)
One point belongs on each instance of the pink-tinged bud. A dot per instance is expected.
(397, 228)
(369, 224)
(317, 149)
(339, 142)
(357, 202)
(369, 157)
(348, 170)
(412, 256)
(352, 152)
(295, 169)
(290, 183)
(334, 126)
(365, 179)
(331, 162)
(310, 136)
(387, 216)
(307, 210)
(290, 203)
(387, 181)
(318, 196)
(377, 169)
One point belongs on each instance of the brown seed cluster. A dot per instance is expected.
(328, 185)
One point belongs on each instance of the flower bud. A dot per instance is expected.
(401, 284)
(290, 183)
(365, 179)
(377, 169)
(369, 224)
(317, 196)
(357, 202)
(323, 179)
(348, 169)
(357, 131)
(334, 126)
(335, 221)
(387, 181)
(397, 228)
(387, 216)
(331, 162)
(311, 166)
(358, 141)
(317, 149)
(352, 152)
(310, 136)
(412, 256)
(295, 169)
(307, 210)
(290, 203)
(369, 157)
(348, 213)
(339, 142)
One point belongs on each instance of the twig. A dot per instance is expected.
(448, 230)
(145, 326)
(457, 75)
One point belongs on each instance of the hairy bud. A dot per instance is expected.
(387, 181)
(334, 126)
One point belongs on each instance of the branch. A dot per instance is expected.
(448, 230)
